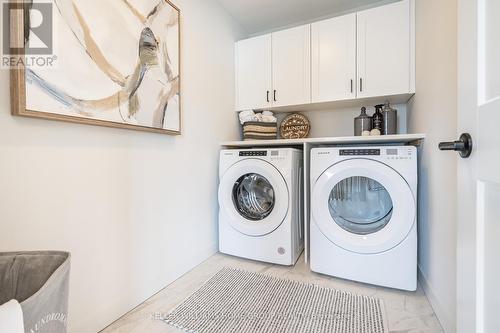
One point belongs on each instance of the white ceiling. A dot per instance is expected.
(257, 16)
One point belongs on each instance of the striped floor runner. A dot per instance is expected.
(239, 301)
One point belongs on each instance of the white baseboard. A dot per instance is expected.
(442, 313)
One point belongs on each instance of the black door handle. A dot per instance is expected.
(463, 146)
(267, 98)
(274, 97)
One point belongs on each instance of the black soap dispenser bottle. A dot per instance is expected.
(378, 118)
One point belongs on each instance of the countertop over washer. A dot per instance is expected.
(413, 139)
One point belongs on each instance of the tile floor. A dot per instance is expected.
(408, 312)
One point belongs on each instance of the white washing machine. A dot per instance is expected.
(364, 214)
(260, 215)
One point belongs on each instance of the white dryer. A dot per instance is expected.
(260, 206)
(364, 214)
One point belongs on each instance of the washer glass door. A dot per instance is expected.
(253, 196)
(360, 205)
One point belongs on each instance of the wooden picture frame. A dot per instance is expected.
(19, 86)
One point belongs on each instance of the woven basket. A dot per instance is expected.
(255, 130)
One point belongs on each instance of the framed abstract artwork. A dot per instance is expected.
(112, 63)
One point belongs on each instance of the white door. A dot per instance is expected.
(334, 59)
(253, 73)
(384, 50)
(291, 65)
(478, 275)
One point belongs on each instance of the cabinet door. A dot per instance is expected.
(334, 59)
(292, 66)
(384, 50)
(253, 73)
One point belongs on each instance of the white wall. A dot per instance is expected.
(136, 210)
(433, 111)
(340, 122)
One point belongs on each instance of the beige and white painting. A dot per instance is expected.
(117, 62)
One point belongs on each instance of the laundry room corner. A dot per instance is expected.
(136, 210)
(433, 110)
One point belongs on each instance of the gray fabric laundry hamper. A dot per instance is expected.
(40, 282)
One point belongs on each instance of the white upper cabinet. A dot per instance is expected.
(253, 73)
(334, 59)
(291, 63)
(384, 50)
(274, 70)
(365, 55)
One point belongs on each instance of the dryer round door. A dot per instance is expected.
(254, 195)
(363, 206)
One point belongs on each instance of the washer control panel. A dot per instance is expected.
(399, 154)
(253, 153)
(360, 152)
(388, 153)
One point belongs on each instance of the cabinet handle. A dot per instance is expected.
(361, 84)
(274, 95)
(267, 96)
(352, 85)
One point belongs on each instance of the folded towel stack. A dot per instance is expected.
(250, 115)
(258, 126)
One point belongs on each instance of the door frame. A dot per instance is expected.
(466, 169)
